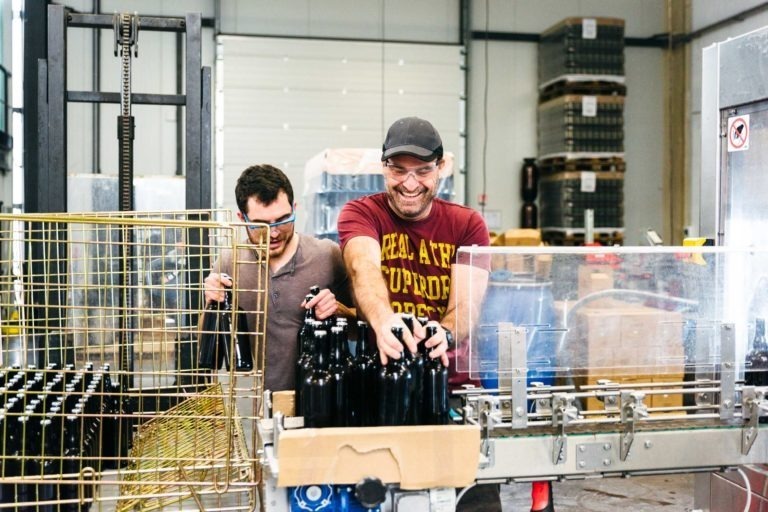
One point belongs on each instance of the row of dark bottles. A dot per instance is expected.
(333, 388)
(216, 344)
(55, 423)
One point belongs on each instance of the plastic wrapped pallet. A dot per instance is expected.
(335, 176)
(565, 196)
(578, 49)
(581, 124)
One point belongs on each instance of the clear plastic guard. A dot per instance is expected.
(624, 314)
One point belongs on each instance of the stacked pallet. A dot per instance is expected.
(581, 130)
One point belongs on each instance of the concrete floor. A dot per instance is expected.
(667, 493)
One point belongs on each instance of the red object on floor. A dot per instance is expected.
(541, 497)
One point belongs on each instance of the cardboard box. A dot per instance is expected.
(284, 402)
(593, 279)
(626, 337)
(661, 400)
(416, 457)
(627, 344)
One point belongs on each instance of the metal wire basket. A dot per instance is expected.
(102, 400)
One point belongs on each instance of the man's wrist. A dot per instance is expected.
(449, 337)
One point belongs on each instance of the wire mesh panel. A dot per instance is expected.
(106, 400)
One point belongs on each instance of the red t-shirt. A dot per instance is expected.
(416, 256)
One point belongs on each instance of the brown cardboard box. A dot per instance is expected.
(628, 344)
(629, 336)
(522, 237)
(418, 457)
(284, 402)
(661, 400)
(594, 278)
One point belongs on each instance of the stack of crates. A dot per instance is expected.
(581, 130)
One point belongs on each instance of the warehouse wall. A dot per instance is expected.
(500, 135)
(512, 96)
(705, 14)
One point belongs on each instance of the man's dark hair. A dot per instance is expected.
(263, 181)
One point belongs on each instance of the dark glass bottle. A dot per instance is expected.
(393, 385)
(71, 461)
(435, 402)
(12, 447)
(305, 363)
(27, 493)
(208, 344)
(362, 387)
(338, 372)
(239, 326)
(51, 464)
(529, 216)
(317, 391)
(305, 329)
(529, 183)
(756, 373)
(303, 352)
(415, 363)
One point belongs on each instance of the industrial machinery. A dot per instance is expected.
(734, 105)
(593, 362)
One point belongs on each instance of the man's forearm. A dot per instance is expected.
(370, 292)
(362, 259)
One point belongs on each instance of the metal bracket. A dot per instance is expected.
(750, 410)
(541, 404)
(488, 415)
(594, 456)
(705, 398)
(563, 411)
(632, 409)
(513, 356)
(610, 402)
(278, 427)
(727, 371)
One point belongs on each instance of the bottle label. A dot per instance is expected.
(589, 28)
(588, 181)
(589, 106)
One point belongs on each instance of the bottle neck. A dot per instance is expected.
(362, 339)
(320, 354)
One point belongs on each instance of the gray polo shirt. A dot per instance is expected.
(316, 262)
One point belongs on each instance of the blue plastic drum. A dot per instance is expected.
(526, 303)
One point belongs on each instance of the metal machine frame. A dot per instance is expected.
(53, 98)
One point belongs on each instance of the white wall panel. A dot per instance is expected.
(285, 100)
(422, 20)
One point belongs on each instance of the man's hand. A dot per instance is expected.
(324, 303)
(437, 343)
(389, 345)
(214, 287)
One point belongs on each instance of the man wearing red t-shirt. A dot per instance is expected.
(399, 248)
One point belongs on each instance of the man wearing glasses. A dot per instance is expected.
(264, 195)
(399, 247)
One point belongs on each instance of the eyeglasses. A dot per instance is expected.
(402, 173)
(287, 219)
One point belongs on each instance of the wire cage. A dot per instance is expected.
(104, 402)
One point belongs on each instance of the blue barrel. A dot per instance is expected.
(526, 303)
